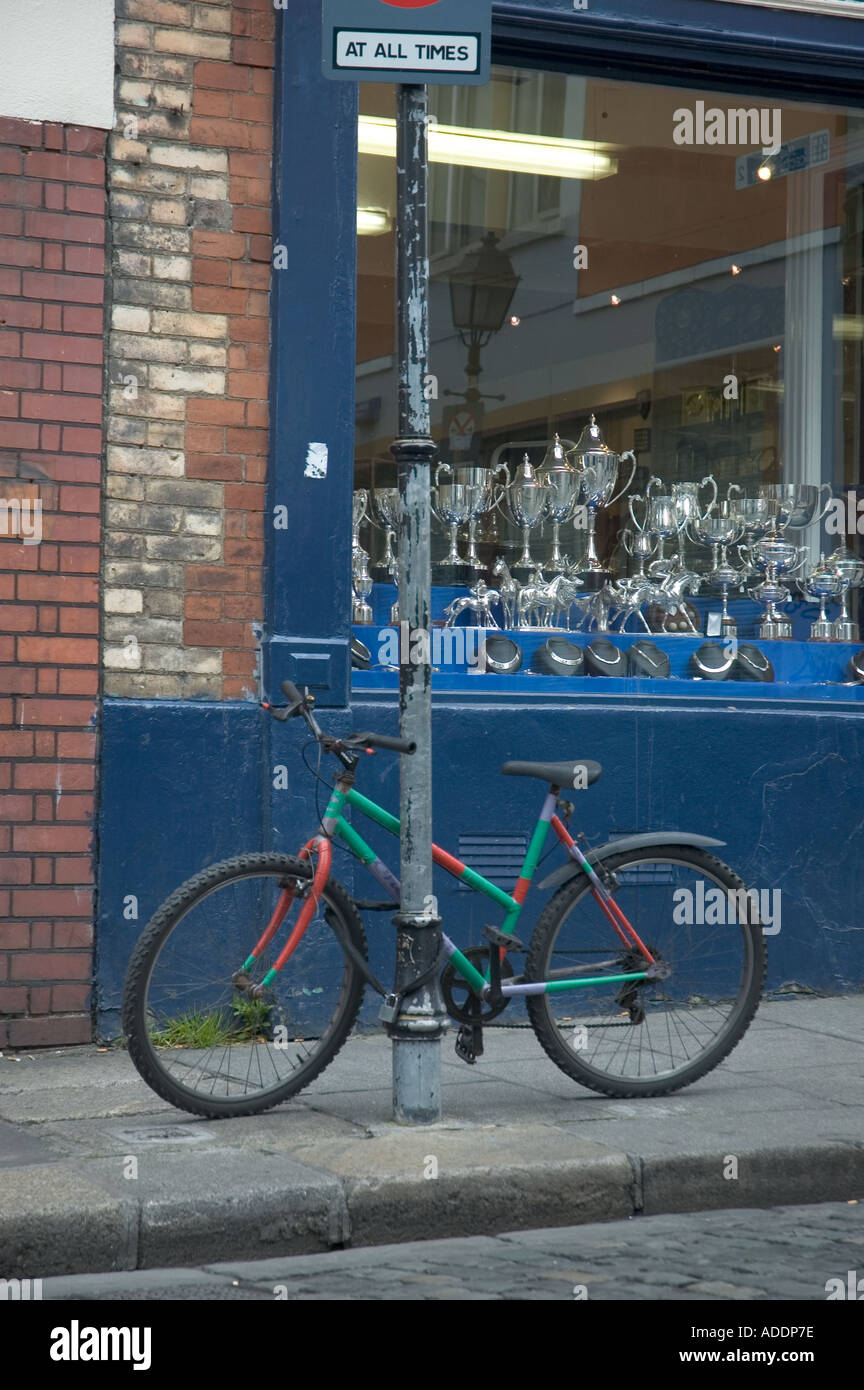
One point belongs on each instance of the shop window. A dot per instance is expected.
(683, 267)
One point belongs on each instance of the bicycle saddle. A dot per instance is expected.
(582, 773)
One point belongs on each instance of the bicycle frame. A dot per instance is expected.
(335, 824)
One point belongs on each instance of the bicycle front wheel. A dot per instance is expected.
(655, 1036)
(194, 1031)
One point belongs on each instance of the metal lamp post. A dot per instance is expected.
(417, 1030)
(412, 42)
(481, 292)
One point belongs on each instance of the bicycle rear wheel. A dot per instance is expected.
(202, 1042)
(662, 1034)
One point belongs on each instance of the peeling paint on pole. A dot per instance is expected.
(417, 1031)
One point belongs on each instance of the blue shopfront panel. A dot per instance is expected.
(185, 785)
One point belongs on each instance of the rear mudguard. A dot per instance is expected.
(627, 842)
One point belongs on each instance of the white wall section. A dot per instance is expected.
(57, 61)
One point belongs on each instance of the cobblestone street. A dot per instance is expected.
(782, 1253)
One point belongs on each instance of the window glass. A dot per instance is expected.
(650, 265)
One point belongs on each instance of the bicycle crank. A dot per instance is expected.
(459, 996)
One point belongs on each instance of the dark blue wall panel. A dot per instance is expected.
(187, 785)
(181, 787)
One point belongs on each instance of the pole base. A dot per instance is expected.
(417, 1080)
(846, 631)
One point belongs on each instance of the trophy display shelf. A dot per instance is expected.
(809, 672)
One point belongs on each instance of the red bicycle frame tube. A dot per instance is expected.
(604, 900)
(322, 847)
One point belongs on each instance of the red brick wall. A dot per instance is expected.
(52, 236)
(190, 181)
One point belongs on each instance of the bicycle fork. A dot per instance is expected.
(321, 847)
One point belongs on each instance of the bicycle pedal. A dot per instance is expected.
(469, 1043)
(502, 938)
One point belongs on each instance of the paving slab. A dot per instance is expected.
(520, 1145)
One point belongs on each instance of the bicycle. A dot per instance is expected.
(224, 1028)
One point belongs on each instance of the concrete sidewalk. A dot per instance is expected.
(98, 1174)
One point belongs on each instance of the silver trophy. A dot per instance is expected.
(453, 504)
(527, 499)
(758, 515)
(385, 515)
(361, 581)
(487, 494)
(359, 511)
(849, 569)
(640, 546)
(720, 529)
(480, 601)
(600, 468)
(774, 557)
(564, 485)
(794, 504)
(819, 584)
(661, 519)
(689, 508)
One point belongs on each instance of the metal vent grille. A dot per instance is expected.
(497, 857)
(645, 873)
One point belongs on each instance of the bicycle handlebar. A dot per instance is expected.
(298, 705)
(396, 745)
(290, 691)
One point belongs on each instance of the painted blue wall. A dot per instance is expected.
(184, 785)
(187, 785)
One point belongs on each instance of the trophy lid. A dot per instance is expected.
(591, 440)
(525, 474)
(555, 458)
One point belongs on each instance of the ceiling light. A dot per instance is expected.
(764, 172)
(495, 149)
(515, 321)
(736, 269)
(614, 299)
(373, 221)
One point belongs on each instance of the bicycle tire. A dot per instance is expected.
(541, 1007)
(140, 1020)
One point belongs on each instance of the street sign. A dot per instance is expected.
(413, 41)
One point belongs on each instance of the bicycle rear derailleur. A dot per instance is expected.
(628, 994)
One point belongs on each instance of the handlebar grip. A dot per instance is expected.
(396, 745)
(290, 691)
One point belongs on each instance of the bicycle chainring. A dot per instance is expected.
(453, 985)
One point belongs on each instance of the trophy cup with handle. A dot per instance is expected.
(527, 499)
(820, 583)
(600, 467)
(453, 504)
(688, 505)
(774, 557)
(849, 569)
(721, 529)
(564, 484)
(487, 493)
(385, 516)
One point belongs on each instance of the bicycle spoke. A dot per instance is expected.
(658, 1029)
(203, 1041)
